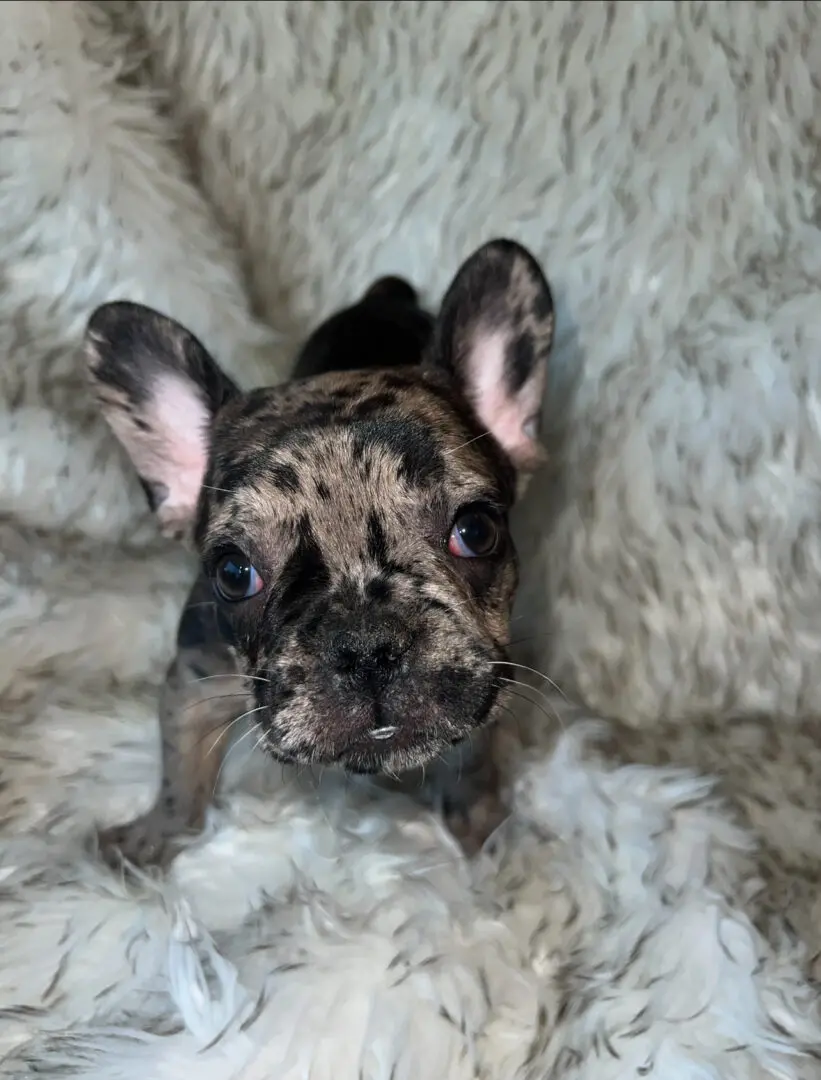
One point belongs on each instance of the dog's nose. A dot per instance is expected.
(369, 654)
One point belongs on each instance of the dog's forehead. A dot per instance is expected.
(334, 447)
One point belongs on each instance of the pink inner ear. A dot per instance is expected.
(511, 418)
(183, 418)
(172, 448)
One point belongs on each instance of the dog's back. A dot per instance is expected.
(387, 327)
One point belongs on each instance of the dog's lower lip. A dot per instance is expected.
(381, 733)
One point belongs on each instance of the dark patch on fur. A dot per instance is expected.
(322, 490)
(454, 684)
(543, 304)
(398, 381)
(420, 458)
(305, 574)
(235, 473)
(393, 290)
(377, 540)
(285, 477)
(365, 409)
(378, 590)
(520, 360)
(386, 328)
(314, 414)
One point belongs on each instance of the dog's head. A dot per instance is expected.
(354, 525)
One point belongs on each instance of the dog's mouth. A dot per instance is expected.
(398, 732)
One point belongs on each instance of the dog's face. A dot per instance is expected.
(354, 525)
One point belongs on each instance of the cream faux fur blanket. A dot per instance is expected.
(247, 167)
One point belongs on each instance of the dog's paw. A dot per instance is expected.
(151, 840)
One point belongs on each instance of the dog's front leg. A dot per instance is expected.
(203, 695)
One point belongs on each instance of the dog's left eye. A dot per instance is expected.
(235, 578)
(476, 534)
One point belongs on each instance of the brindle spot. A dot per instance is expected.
(305, 573)
(285, 477)
(238, 472)
(378, 589)
(316, 414)
(322, 490)
(410, 442)
(377, 540)
(397, 381)
(365, 409)
(543, 304)
(520, 360)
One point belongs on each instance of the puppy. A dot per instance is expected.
(357, 572)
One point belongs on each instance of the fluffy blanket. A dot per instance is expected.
(246, 167)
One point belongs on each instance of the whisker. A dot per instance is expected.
(535, 689)
(236, 720)
(552, 717)
(218, 727)
(210, 487)
(532, 689)
(259, 743)
(233, 675)
(514, 716)
(530, 637)
(214, 697)
(533, 671)
(251, 729)
(460, 605)
(456, 449)
(530, 701)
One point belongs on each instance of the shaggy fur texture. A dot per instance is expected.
(244, 166)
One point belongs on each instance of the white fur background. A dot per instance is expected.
(247, 167)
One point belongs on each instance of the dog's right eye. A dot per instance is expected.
(235, 578)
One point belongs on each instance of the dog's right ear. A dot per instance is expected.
(159, 390)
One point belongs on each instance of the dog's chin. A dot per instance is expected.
(369, 760)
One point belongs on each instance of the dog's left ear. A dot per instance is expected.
(493, 338)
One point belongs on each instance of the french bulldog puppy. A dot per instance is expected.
(357, 571)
